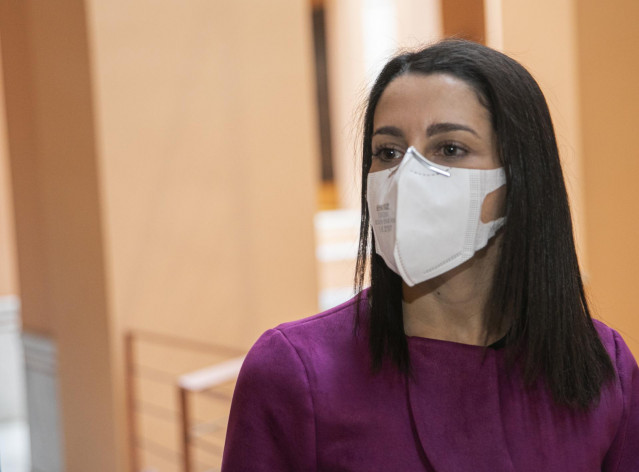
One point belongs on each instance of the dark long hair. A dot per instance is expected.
(537, 292)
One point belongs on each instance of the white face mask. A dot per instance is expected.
(426, 217)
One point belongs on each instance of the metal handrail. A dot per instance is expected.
(201, 382)
(196, 382)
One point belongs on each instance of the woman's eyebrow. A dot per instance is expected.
(437, 128)
(390, 131)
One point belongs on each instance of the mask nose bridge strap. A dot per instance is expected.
(430, 165)
(439, 171)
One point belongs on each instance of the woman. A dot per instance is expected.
(473, 349)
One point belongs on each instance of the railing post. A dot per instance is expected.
(129, 358)
(186, 426)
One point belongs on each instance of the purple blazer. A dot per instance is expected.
(306, 400)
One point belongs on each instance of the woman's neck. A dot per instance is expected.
(450, 307)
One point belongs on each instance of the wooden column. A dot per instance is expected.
(56, 193)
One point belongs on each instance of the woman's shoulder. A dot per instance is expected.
(622, 453)
(612, 341)
(605, 332)
(335, 323)
(317, 339)
(276, 398)
(621, 357)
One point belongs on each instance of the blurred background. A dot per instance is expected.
(177, 176)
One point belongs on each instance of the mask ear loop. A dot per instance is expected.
(495, 178)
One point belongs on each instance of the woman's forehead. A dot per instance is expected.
(416, 98)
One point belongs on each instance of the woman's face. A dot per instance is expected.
(441, 116)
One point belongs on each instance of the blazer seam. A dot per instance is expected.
(308, 384)
(626, 407)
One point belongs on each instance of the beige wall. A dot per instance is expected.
(208, 156)
(163, 161)
(18, 88)
(583, 54)
(542, 36)
(8, 276)
(347, 89)
(609, 100)
(417, 22)
(463, 19)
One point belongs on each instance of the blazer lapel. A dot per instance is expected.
(453, 396)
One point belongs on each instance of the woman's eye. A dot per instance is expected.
(452, 150)
(387, 154)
